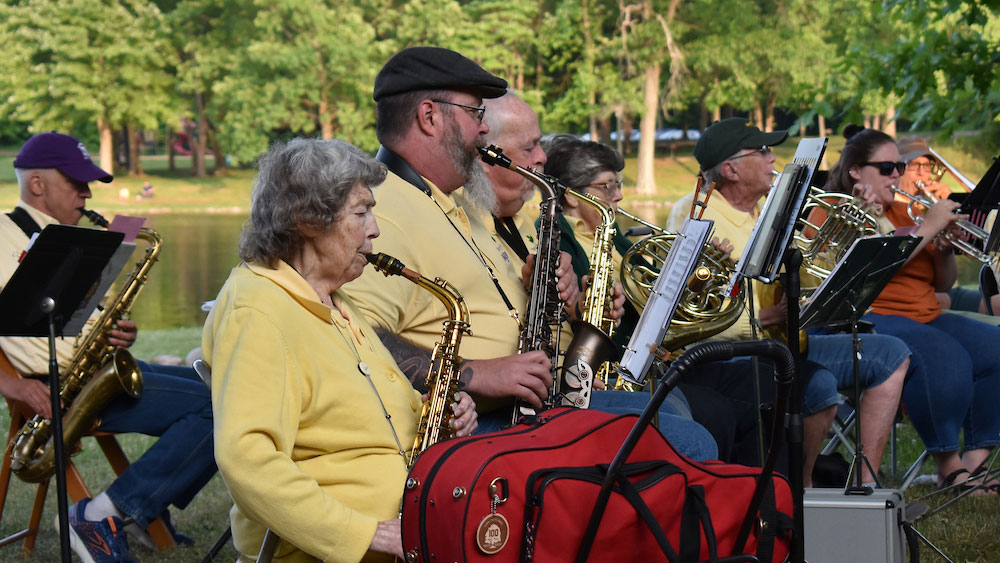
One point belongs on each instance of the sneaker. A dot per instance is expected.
(104, 541)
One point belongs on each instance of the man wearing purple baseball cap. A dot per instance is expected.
(53, 172)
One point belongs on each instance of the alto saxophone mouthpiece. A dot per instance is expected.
(494, 156)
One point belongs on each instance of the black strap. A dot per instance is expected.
(642, 509)
(22, 219)
(695, 518)
(769, 516)
(401, 168)
(509, 233)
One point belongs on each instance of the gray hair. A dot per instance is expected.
(577, 162)
(714, 174)
(498, 114)
(394, 114)
(304, 183)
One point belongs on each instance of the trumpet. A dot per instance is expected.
(964, 241)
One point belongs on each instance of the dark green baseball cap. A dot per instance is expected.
(725, 138)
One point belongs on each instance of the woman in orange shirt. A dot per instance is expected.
(953, 383)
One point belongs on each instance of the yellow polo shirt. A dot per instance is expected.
(436, 237)
(585, 238)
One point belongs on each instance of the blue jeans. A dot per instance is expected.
(953, 382)
(686, 435)
(881, 354)
(177, 407)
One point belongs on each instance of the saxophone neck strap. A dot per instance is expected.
(508, 232)
(398, 166)
(22, 219)
(401, 168)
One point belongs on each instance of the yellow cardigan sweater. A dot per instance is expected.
(301, 440)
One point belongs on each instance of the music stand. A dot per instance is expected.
(843, 298)
(54, 280)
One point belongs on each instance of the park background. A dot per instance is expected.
(185, 94)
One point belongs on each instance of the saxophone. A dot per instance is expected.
(97, 373)
(442, 377)
(597, 301)
(570, 386)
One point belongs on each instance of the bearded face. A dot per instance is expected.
(465, 159)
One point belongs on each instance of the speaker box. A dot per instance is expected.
(841, 527)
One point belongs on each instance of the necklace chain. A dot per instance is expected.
(366, 372)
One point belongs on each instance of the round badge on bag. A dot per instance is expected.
(492, 534)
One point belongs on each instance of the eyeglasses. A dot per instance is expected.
(608, 188)
(477, 112)
(763, 151)
(918, 166)
(885, 167)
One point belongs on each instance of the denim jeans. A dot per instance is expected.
(881, 354)
(177, 407)
(953, 382)
(686, 435)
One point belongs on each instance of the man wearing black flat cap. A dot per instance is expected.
(737, 157)
(430, 123)
(53, 171)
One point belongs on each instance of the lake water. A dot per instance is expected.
(199, 250)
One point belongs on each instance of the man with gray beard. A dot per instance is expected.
(430, 123)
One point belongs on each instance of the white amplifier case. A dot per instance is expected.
(841, 527)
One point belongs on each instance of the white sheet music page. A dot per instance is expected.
(659, 310)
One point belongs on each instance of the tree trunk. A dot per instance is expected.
(757, 117)
(325, 118)
(171, 165)
(107, 145)
(620, 118)
(769, 116)
(822, 125)
(604, 130)
(199, 141)
(645, 182)
(135, 165)
(220, 158)
(889, 124)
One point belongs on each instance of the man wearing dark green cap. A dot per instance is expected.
(737, 157)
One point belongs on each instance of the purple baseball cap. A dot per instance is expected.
(62, 152)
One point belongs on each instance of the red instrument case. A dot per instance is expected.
(526, 494)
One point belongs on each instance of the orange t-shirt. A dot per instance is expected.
(910, 293)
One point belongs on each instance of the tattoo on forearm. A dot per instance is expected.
(412, 360)
(465, 375)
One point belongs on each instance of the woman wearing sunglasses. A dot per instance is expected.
(953, 383)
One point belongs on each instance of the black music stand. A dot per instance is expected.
(843, 298)
(55, 280)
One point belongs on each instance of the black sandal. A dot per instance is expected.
(949, 482)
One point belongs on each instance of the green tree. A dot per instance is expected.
(307, 68)
(944, 65)
(70, 62)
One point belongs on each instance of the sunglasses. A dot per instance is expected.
(885, 167)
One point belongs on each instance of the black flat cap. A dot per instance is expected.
(728, 136)
(431, 68)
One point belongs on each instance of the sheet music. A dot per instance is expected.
(659, 310)
(771, 233)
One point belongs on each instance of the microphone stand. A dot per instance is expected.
(48, 306)
(793, 260)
